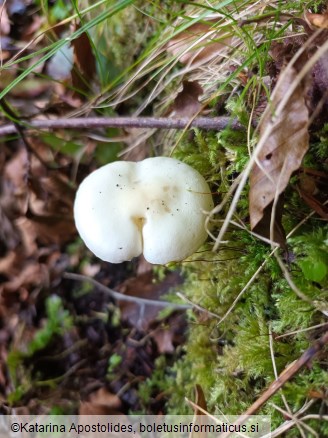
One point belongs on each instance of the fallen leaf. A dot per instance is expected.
(318, 20)
(312, 202)
(31, 276)
(14, 191)
(199, 418)
(199, 43)
(4, 21)
(53, 229)
(143, 286)
(28, 235)
(186, 104)
(280, 156)
(163, 339)
(284, 51)
(263, 226)
(84, 62)
(317, 394)
(200, 400)
(312, 186)
(318, 92)
(101, 402)
(9, 235)
(51, 207)
(7, 262)
(307, 184)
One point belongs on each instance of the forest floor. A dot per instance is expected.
(67, 343)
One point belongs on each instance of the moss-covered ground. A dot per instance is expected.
(250, 319)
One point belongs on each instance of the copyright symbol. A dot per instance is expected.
(14, 427)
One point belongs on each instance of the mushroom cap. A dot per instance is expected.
(155, 207)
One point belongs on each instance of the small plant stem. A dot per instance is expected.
(295, 332)
(121, 297)
(196, 306)
(296, 421)
(283, 378)
(216, 123)
(288, 373)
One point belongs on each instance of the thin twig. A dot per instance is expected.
(244, 289)
(216, 123)
(19, 127)
(288, 373)
(121, 297)
(296, 332)
(197, 306)
(283, 378)
(297, 421)
(289, 423)
(276, 377)
(270, 125)
(203, 411)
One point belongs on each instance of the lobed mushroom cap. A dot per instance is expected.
(155, 207)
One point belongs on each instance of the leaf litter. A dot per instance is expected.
(38, 246)
(283, 152)
(281, 155)
(37, 201)
(199, 43)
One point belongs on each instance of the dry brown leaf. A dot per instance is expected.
(14, 191)
(186, 47)
(32, 275)
(144, 287)
(200, 400)
(317, 206)
(186, 103)
(4, 21)
(28, 235)
(281, 155)
(319, 92)
(53, 229)
(116, 432)
(3, 361)
(163, 339)
(51, 207)
(200, 418)
(84, 62)
(318, 20)
(101, 402)
(7, 262)
(283, 52)
(9, 236)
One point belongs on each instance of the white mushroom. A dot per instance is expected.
(155, 207)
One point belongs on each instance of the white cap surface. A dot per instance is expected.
(155, 207)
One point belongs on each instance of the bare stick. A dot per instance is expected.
(216, 123)
(121, 297)
(283, 378)
(288, 373)
(196, 306)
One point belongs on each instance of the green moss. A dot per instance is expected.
(232, 360)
